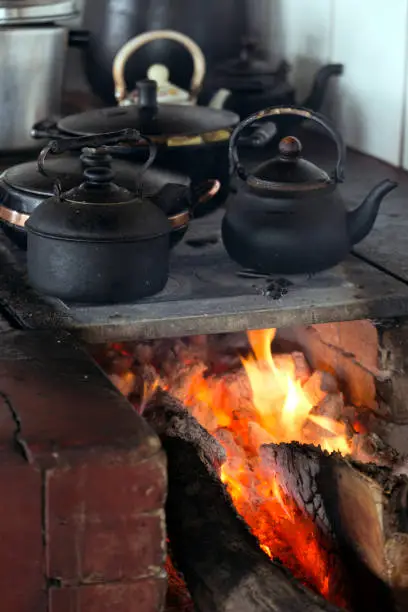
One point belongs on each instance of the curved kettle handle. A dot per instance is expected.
(338, 173)
(134, 44)
(97, 142)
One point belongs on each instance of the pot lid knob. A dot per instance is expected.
(147, 90)
(290, 148)
(248, 48)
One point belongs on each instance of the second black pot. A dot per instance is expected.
(191, 140)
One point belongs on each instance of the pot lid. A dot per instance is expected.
(289, 172)
(69, 169)
(34, 11)
(249, 71)
(150, 118)
(98, 211)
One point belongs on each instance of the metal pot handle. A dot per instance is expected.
(133, 45)
(102, 142)
(46, 128)
(235, 164)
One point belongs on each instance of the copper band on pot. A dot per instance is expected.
(179, 220)
(13, 216)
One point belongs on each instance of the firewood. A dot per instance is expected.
(347, 350)
(302, 368)
(370, 448)
(318, 386)
(222, 563)
(332, 407)
(362, 507)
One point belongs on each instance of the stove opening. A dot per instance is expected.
(286, 464)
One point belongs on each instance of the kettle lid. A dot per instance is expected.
(248, 63)
(289, 171)
(98, 210)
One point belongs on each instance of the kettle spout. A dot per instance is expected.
(361, 219)
(315, 98)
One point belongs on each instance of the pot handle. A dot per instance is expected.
(103, 142)
(235, 164)
(134, 44)
(204, 192)
(46, 128)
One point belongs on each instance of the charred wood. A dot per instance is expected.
(224, 568)
(362, 507)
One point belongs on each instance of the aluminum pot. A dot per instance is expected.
(32, 50)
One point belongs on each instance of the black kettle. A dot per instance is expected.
(99, 242)
(289, 217)
(249, 83)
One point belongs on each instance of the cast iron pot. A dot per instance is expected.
(190, 140)
(97, 243)
(23, 187)
(288, 217)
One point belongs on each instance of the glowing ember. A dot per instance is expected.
(277, 410)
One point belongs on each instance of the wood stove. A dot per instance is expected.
(308, 442)
(99, 531)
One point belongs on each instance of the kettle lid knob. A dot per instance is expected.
(290, 148)
(98, 176)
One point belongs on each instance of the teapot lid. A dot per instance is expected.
(289, 172)
(247, 63)
(249, 71)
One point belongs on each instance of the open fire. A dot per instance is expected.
(262, 400)
(277, 408)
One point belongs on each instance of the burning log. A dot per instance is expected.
(362, 507)
(224, 567)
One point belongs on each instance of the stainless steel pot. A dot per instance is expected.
(32, 52)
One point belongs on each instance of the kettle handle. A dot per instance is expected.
(97, 142)
(134, 44)
(235, 164)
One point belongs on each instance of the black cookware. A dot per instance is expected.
(289, 217)
(248, 84)
(216, 26)
(97, 243)
(23, 187)
(191, 140)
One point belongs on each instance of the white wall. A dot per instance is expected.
(370, 101)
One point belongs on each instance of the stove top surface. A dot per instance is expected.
(208, 293)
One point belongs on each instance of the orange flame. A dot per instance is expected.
(276, 410)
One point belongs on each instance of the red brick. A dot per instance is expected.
(22, 583)
(105, 520)
(83, 483)
(142, 596)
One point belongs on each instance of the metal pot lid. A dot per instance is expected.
(27, 185)
(35, 11)
(167, 120)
